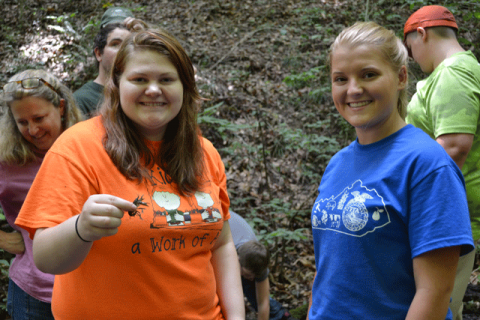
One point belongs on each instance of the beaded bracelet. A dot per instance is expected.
(76, 229)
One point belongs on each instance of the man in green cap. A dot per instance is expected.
(115, 15)
(115, 26)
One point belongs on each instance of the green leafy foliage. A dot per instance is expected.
(276, 232)
(207, 118)
(476, 228)
(263, 68)
(305, 78)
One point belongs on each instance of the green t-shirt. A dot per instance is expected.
(89, 97)
(448, 101)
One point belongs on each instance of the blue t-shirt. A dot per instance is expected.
(379, 206)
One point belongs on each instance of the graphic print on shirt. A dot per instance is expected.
(356, 211)
(208, 212)
(160, 205)
(170, 215)
(170, 202)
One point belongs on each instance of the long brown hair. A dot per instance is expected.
(14, 148)
(181, 153)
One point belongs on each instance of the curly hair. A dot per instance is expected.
(14, 148)
(386, 41)
(181, 153)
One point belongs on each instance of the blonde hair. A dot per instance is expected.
(14, 148)
(392, 48)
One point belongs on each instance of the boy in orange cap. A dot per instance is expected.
(446, 106)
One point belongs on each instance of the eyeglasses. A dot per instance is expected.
(29, 83)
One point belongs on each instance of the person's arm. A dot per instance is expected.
(262, 291)
(12, 242)
(227, 273)
(434, 273)
(457, 145)
(59, 249)
(311, 296)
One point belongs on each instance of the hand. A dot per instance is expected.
(12, 242)
(101, 216)
(128, 20)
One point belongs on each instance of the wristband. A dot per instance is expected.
(76, 229)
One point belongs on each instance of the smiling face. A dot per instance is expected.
(151, 92)
(365, 90)
(38, 120)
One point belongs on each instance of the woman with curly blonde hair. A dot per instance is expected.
(37, 109)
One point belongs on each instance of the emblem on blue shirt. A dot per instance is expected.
(355, 211)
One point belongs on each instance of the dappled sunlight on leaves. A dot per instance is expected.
(48, 51)
(262, 66)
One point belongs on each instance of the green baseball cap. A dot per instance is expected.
(115, 15)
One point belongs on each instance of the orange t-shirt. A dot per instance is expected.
(158, 264)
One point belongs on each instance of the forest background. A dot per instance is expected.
(262, 66)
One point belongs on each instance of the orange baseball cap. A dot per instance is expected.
(429, 16)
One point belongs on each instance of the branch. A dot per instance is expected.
(366, 11)
(248, 35)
